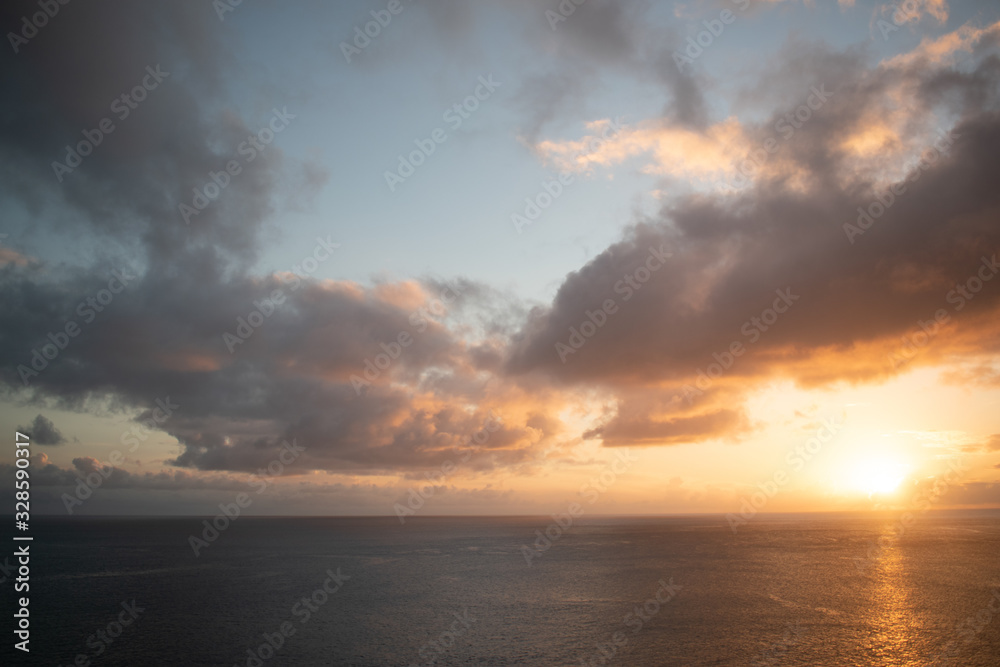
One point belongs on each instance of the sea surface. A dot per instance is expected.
(780, 590)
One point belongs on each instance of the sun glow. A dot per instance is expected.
(878, 476)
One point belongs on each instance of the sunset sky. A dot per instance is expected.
(685, 246)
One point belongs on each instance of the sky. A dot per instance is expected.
(401, 258)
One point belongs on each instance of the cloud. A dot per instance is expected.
(677, 151)
(599, 45)
(302, 374)
(756, 281)
(8, 256)
(915, 11)
(130, 187)
(972, 494)
(734, 253)
(943, 50)
(43, 432)
(679, 430)
(978, 374)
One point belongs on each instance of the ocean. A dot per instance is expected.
(835, 590)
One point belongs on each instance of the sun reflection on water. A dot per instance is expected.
(894, 637)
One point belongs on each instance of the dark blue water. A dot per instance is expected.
(803, 590)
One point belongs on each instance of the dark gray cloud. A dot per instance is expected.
(290, 379)
(601, 44)
(130, 187)
(854, 304)
(43, 432)
(731, 254)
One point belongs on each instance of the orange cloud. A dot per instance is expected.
(942, 50)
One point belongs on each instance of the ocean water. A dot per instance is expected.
(786, 590)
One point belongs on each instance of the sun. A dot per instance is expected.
(878, 476)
